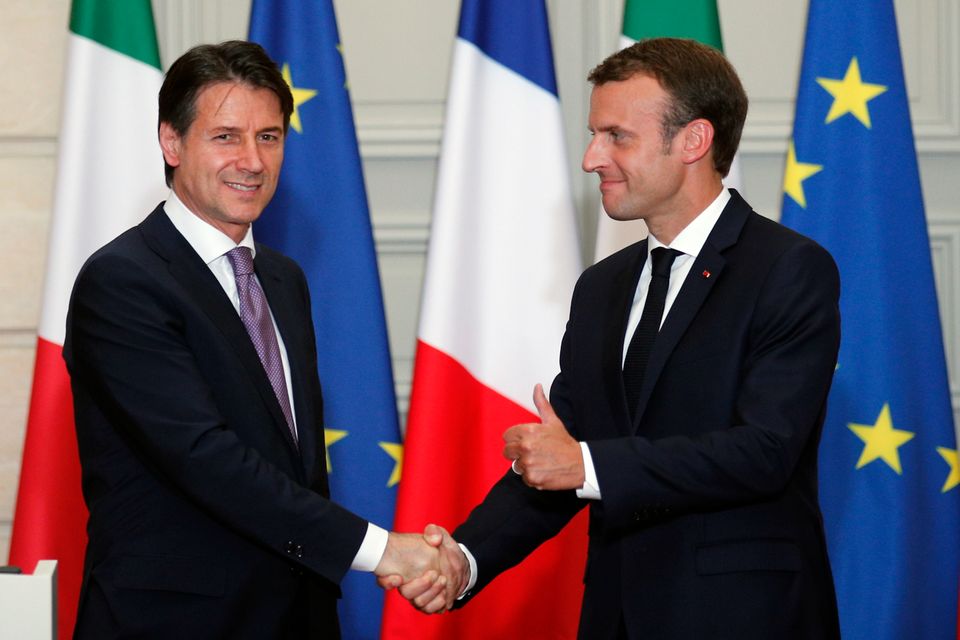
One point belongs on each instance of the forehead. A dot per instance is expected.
(238, 103)
(638, 97)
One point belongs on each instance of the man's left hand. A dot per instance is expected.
(544, 454)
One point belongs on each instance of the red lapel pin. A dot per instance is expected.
(705, 274)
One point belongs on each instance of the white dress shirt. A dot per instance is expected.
(212, 245)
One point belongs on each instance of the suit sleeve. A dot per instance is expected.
(784, 378)
(128, 352)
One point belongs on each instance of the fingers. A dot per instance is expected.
(389, 582)
(433, 599)
(422, 586)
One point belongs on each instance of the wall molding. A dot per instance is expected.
(401, 233)
(28, 146)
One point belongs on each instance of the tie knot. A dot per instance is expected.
(662, 261)
(241, 259)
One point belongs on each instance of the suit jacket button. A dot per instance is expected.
(289, 547)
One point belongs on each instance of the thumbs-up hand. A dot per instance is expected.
(544, 454)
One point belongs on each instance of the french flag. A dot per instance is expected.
(501, 265)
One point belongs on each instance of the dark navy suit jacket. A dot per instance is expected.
(709, 525)
(206, 521)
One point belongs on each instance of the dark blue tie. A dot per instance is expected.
(635, 364)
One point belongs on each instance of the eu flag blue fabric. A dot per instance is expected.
(888, 456)
(319, 217)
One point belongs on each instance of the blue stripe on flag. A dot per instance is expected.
(514, 33)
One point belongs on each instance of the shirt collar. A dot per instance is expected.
(692, 238)
(209, 242)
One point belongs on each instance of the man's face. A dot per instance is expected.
(640, 174)
(228, 162)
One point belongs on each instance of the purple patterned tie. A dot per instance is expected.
(256, 318)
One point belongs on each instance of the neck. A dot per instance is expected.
(667, 227)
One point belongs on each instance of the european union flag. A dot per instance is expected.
(888, 458)
(319, 217)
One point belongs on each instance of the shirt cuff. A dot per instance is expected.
(473, 572)
(591, 486)
(371, 549)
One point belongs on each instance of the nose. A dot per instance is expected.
(249, 159)
(593, 155)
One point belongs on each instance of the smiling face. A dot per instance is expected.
(228, 162)
(641, 174)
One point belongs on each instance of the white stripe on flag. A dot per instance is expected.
(101, 187)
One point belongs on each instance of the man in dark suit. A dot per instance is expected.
(198, 407)
(691, 393)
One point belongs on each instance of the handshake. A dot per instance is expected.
(430, 570)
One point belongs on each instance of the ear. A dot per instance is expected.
(170, 144)
(697, 140)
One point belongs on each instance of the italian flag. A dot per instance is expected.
(109, 176)
(502, 261)
(695, 19)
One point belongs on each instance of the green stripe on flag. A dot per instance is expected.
(696, 19)
(123, 25)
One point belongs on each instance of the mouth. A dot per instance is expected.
(245, 188)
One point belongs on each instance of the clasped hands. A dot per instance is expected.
(431, 570)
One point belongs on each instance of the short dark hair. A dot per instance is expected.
(207, 64)
(700, 80)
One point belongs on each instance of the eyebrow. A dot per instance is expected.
(231, 129)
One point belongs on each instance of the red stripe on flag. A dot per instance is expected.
(50, 519)
(452, 456)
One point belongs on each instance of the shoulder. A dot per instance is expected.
(765, 241)
(625, 259)
(277, 262)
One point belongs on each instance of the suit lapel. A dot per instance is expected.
(205, 291)
(703, 276)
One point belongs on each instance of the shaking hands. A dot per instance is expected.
(430, 570)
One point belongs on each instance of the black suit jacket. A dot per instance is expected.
(206, 521)
(709, 525)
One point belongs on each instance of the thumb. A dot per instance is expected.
(544, 408)
(433, 534)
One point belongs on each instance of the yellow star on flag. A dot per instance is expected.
(332, 436)
(395, 451)
(953, 479)
(794, 175)
(299, 97)
(882, 440)
(851, 94)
